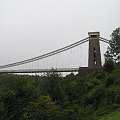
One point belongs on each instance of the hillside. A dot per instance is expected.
(53, 97)
(112, 116)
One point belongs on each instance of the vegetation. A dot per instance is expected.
(112, 116)
(113, 51)
(53, 97)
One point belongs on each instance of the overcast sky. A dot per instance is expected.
(29, 28)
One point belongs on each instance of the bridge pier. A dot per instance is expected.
(94, 60)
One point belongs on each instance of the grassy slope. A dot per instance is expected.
(112, 116)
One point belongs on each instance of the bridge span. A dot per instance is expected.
(94, 59)
(40, 70)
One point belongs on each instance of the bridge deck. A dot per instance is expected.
(40, 70)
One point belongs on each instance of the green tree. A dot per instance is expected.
(42, 109)
(113, 51)
(54, 87)
(108, 66)
(15, 93)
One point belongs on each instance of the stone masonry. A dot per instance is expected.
(94, 59)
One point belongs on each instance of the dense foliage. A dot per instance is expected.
(53, 97)
(113, 51)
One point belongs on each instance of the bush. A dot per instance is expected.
(108, 66)
(42, 109)
(109, 80)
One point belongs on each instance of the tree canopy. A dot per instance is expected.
(113, 51)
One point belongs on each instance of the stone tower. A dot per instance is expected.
(94, 60)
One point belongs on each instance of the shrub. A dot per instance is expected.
(108, 66)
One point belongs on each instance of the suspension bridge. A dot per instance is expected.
(94, 58)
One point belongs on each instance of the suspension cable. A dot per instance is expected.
(46, 55)
(104, 40)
